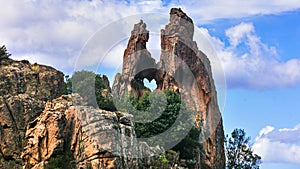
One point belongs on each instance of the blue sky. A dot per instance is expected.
(257, 43)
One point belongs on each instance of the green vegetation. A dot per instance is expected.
(11, 164)
(61, 161)
(189, 146)
(169, 105)
(239, 153)
(3, 53)
(163, 159)
(68, 87)
(92, 88)
(4, 56)
(169, 113)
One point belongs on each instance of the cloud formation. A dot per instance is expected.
(217, 9)
(280, 145)
(57, 30)
(250, 63)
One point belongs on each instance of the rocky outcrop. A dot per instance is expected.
(182, 68)
(96, 138)
(185, 69)
(37, 81)
(24, 90)
(32, 132)
(137, 64)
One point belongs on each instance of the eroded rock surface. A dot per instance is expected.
(24, 90)
(96, 138)
(37, 81)
(137, 64)
(185, 69)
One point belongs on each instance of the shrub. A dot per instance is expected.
(3, 53)
(61, 161)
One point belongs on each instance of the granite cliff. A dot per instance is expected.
(24, 90)
(96, 138)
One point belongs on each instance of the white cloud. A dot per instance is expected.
(57, 29)
(112, 59)
(207, 10)
(266, 130)
(250, 63)
(282, 145)
(236, 33)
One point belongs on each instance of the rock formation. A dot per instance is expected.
(187, 70)
(24, 90)
(38, 123)
(137, 64)
(96, 138)
(89, 133)
(182, 68)
(35, 129)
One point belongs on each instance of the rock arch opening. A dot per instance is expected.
(150, 84)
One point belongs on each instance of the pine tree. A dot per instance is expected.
(239, 153)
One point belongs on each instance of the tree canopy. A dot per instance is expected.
(3, 53)
(92, 88)
(239, 153)
(169, 105)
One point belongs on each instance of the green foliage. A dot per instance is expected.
(189, 146)
(83, 83)
(11, 163)
(68, 87)
(169, 113)
(103, 97)
(3, 53)
(239, 153)
(163, 159)
(166, 160)
(61, 161)
(171, 107)
(91, 87)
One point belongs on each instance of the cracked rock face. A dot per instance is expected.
(32, 131)
(137, 64)
(24, 90)
(96, 138)
(189, 71)
(182, 68)
(37, 81)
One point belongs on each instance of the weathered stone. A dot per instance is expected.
(137, 64)
(24, 88)
(38, 81)
(187, 70)
(97, 138)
